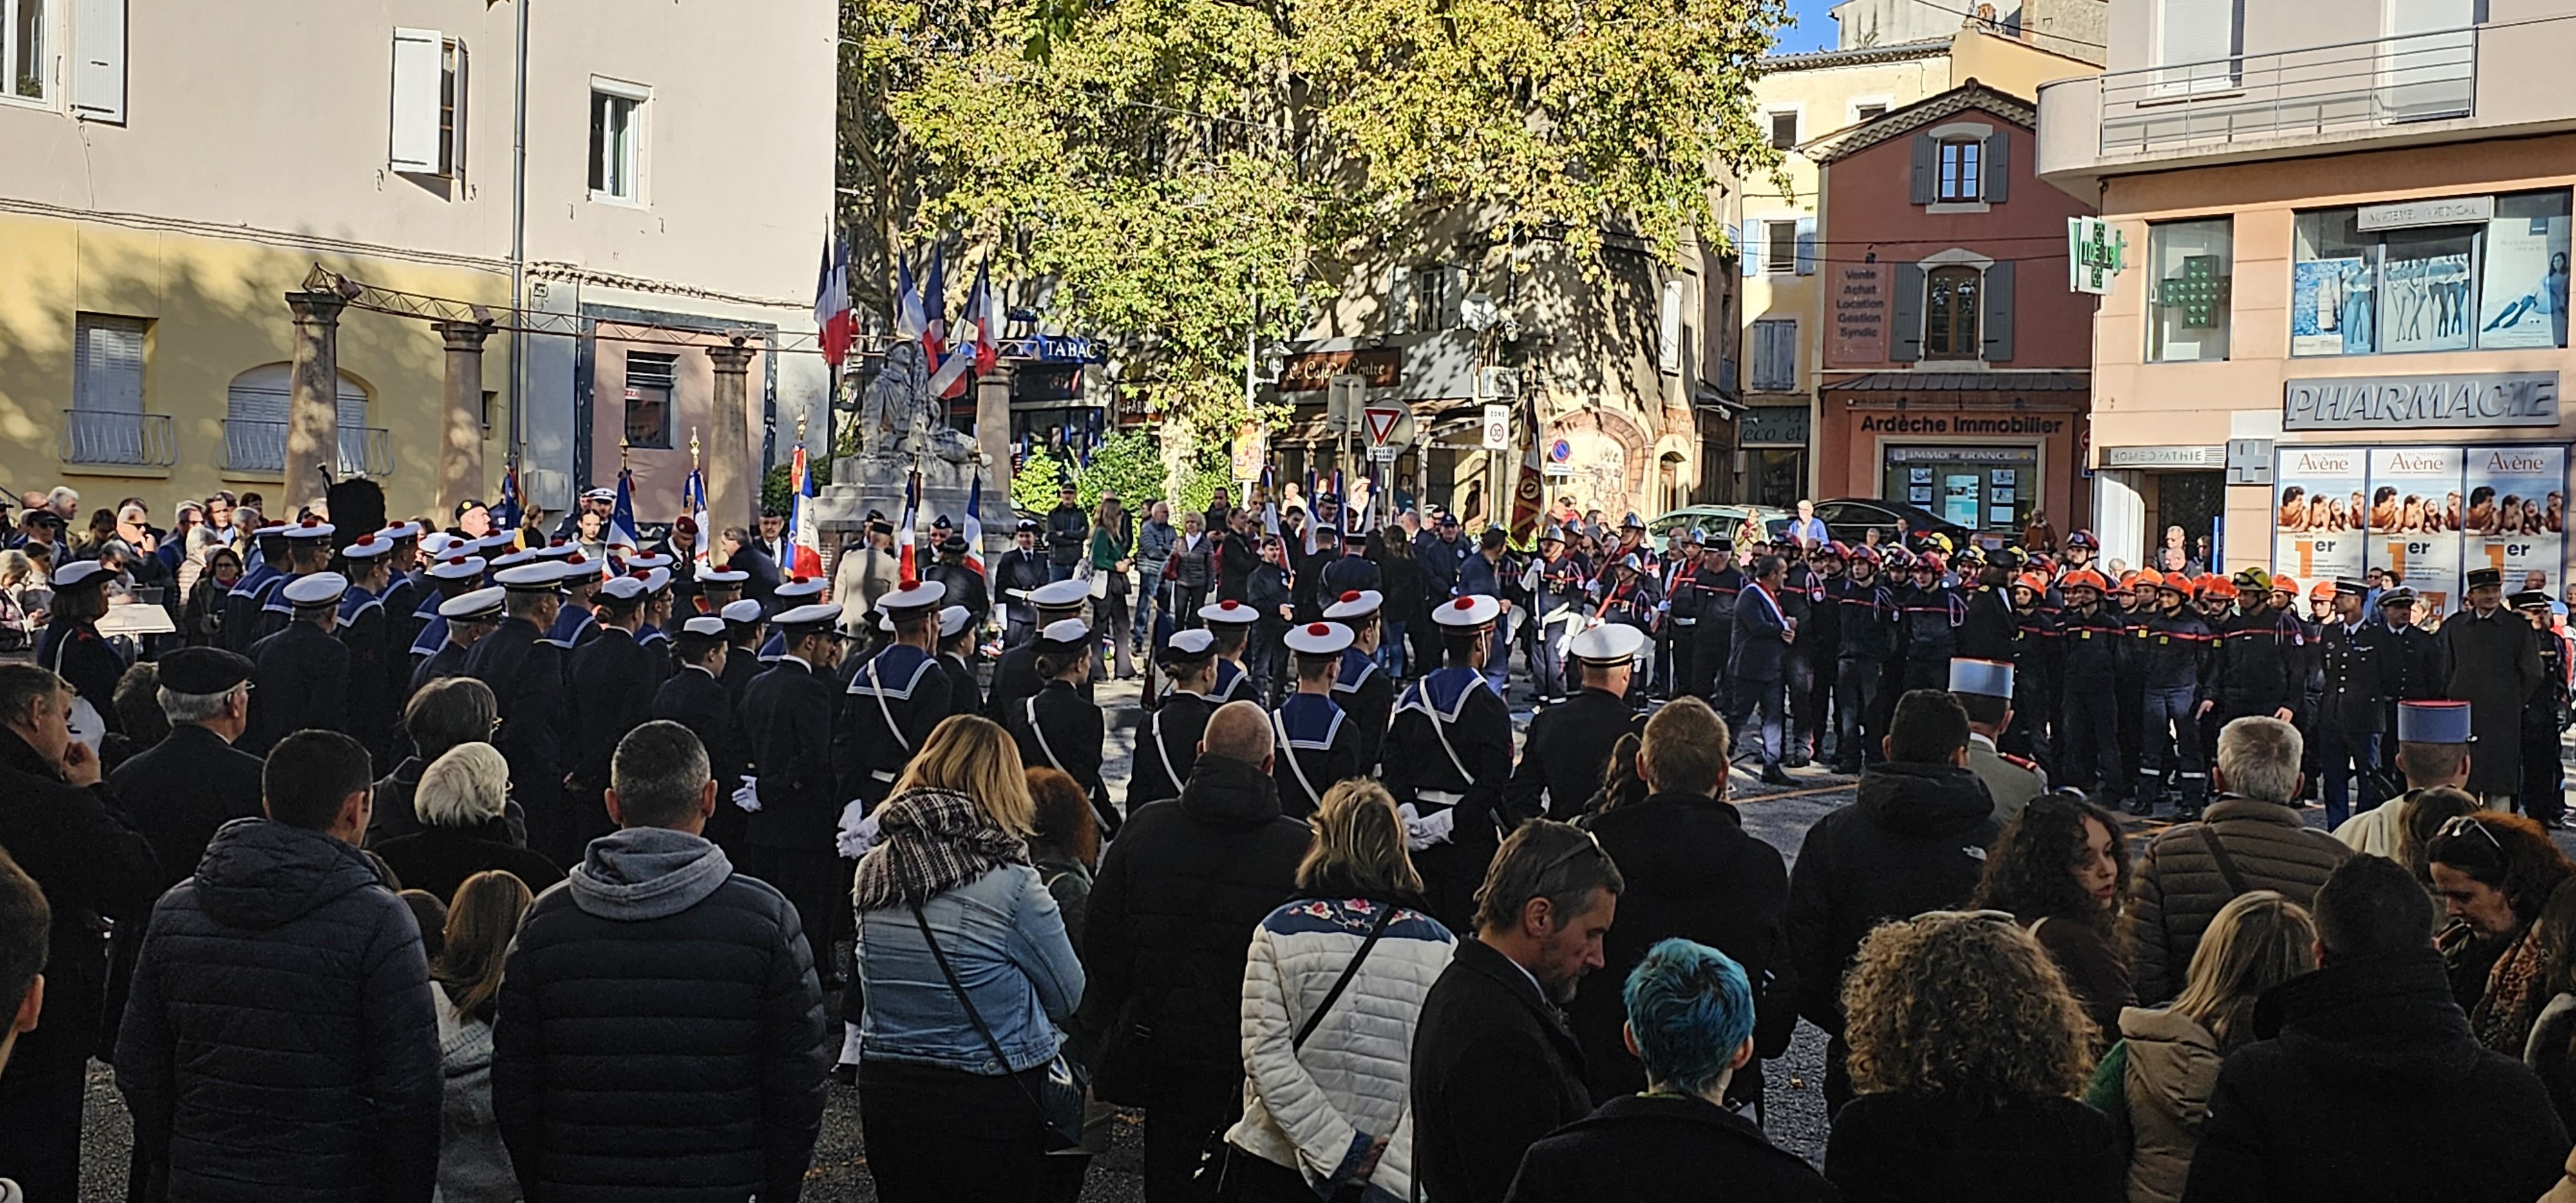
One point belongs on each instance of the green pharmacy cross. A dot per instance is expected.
(2200, 291)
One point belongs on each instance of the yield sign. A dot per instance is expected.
(1381, 423)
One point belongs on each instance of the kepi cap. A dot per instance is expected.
(1981, 678)
(2434, 722)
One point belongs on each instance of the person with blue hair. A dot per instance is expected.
(1690, 1021)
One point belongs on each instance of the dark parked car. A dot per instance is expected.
(1849, 519)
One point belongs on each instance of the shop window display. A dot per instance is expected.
(2485, 273)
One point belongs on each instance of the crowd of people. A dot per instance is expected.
(483, 864)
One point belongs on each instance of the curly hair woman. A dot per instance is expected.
(1967, 1053)
(2062, 869)
(2494, 873)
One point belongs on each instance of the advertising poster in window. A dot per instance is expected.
(2516, 516)
(2330, 312)
(2424, 303)
(2525, 302)
(2317, 527)
(2415, 513)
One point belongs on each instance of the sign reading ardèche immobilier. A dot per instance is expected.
(2421, 402)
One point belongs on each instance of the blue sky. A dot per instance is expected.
(1814, 30)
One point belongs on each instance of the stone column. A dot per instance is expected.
(733, 479)
(460, 457)
(313, 416)
(993, 435)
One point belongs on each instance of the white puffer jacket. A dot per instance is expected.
(1319, 1107)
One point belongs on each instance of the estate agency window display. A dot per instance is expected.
(1981, 488)
(2422, 514)
(2450, 274)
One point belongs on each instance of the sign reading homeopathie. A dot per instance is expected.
(2421, 402)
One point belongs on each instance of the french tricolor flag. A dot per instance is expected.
(833, 317)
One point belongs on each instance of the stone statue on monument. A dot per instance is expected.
(900, 419)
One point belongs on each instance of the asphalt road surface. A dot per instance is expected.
(1793, 1111)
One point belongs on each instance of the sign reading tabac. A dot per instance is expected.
(1859, 317)
(2421, 402)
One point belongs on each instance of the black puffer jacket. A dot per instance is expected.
(660, 1035)
(1171, 917)
(1915, 841)
(280, 1043)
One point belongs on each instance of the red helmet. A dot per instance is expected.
(1931, 560)
(2084, 539)
(1836, 549)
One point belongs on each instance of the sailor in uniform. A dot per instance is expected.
(1168, 746)
(580, 576)
(1015, 676)
(242, 605)
(655, 572)
(378, 667)
(956, 647)
(446, 579)
(743, 619)
(695, 697)
(717, 589)
(1317, 742)
(462, 622)
(795, 591)
(1363, 692)
(403, 587)
(792, 839)
(1448, 757)
(1231, 622)
(526, 673)
(308, 551)
(302, 679)
(72, 647)
(1056, 726)
(894, 698)
(1985, 690)
(613, 678)
(1569, 743)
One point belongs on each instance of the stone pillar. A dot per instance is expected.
(993, 436)
(460, 455)
(313, 416)
(733, 479)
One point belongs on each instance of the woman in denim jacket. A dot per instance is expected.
(942, 1119)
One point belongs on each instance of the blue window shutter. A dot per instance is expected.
(1806, 246)
(1749, 255)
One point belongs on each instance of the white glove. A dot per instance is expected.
(858, 829)
(1421, 833)
(748, 798)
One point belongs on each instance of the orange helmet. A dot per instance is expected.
(2214, 585)
(2285, 584)
(2033, 581)
(2322, 589)
(2148, 578)
(2086, 578)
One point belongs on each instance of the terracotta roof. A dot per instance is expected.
(1892, 52)
(1971, 95)
(1962, 382)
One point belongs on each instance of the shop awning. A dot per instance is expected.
(1962, 382)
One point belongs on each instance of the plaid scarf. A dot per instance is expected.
(934, 841)
(2503, 1016)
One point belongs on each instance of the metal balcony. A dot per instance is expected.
(92, 436)
(254, 445)
(2311, 90)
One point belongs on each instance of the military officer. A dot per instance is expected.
(2409, 661)
(966, 585)
(302, 674)
(462, 621)
(614, 677)
(1985, 690)
(1231, 621)
(1448, 758)
(795, 802)
(1168, 747)
(2544, 716)
(1561, 765)
(1057, 726)
(695, 697)
(1317, 742)
(894, 698)
(1363, 692)
(1015, 674)
(1021, 569)
(527, 676)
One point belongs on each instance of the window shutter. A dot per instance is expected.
(1668, 330)
(1453, 297)
(1748, 256)
(1399, 300)
(109, 370)
(352, 406)
(1997, 163)
(1806, 246)
(98, 60)
(1927, 170)
(1905, 319)
(415, 91)
(1995, 325)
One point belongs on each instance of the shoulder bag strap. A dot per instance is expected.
(888, 711)
(1279, 724)
(972, 1015)
(1386, 912)
(1440, 731)
(1043, 745)
(2226, 863)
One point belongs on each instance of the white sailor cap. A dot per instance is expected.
(1981, 678)
(556, 550)
(1355, 603)
(1473, 610)
(647, 560)
(602, 493)
(1194, 646)
(953, 620)
(456, 568)
(744, 611)
(514, 559)
(799, 586)
(1229, 613)
(481, 605)
(624, 589)
(1060, 595)
(1609, 643)
(913, 598)
(367, 547)
(315, 589)
(801, 621)
(1319, 638)
(655, 579)
(576, 569)
(494, 542)
(78, 573)
(310, 528)
(1064, 635)
(405, 529)
(528, 578)
(723, 576)
(437, 543)
(704, 626)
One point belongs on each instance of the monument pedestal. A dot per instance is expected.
(867, 482)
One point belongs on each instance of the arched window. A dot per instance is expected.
(1950, 313)
(255, 408)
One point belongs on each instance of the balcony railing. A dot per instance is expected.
(251, 445)
(118, 439)
(2311, 90)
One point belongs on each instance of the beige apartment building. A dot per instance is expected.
(1803, 98)
(2339, 338)
(173, 169)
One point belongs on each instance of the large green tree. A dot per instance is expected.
(1183, 174)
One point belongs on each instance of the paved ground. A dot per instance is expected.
(1794, 1113)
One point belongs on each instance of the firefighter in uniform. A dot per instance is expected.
(894, 698)
(1230, 622)
(1167, 748)
(1057, 726)
(1680, 647)
(1933, 611)
(1720, 582)
(2090, 645)
(1317, 741)
(2261, 657)
(1569, 745)
(1817, 652)
(2037, 649)
(1629, 598)
(1363, 692)
(1447, 760)
(1559, 588)
(1865, 621)
(2174, 651)
(2544, 716)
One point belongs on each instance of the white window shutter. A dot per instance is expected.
(109, 371)
(98, 60)
(415, 95)
(1806, 246)
(1399, 299)
(1668, 332)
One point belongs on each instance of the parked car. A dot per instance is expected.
(1850, 519)
(1727, 520)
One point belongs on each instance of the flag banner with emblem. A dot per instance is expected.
(974, 529)
(621, 520)
(806, 542)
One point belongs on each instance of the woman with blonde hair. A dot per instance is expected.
(1332, 987)
(2156, 1082)
(1113, 547)
(1967, 1054)
(966, 972)
(473, 1167)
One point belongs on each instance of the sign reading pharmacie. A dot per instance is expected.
(2466, 401)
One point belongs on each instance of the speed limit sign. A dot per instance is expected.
(1498, 428)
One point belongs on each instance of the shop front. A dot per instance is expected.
(1986, 459)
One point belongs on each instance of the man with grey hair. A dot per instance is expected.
(180, 790)
(2252, 838)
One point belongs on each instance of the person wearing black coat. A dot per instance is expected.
(1757, 667)
(302, 682)
(1059, 730)
(1569, 745)
(280, 1043)
(1167, 748)
(1915, 840)
(695, 697)
(791, 840)
(1020, 570)
(1237, 555)
(528, 680)
(660, 1032)
(1170, 921)
(72, 646)
(613, 679)
(1662, 1146)
(180, 791)
(67, 831)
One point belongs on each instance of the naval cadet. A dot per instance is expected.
(1231, 622)
(1985, 690)
(462, 621)
(894, 698)
(613, 678)
(717, 589)
(379, 668)
(1057, 726)
(791, 839)
(743, 619)
(695, 698)
(1569, 743)
(1317, 742)
(1448, 757)
(1015, 674)
(956, 658)
(450, 577)
(241, 606)
(1168, 746)
(527, 677)
(301, 681)
(795, 591)
(1363, 692)
(580, 578)
(308, 551)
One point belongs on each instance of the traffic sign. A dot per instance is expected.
(1498, 428)
(1383, 453)
(1381, 423)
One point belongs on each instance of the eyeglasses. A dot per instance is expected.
(2006, 918)
(2460, 825)
(1591, 843)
